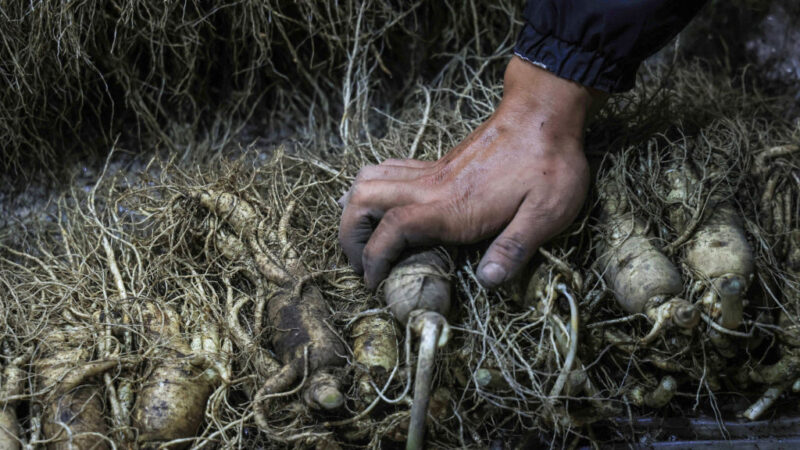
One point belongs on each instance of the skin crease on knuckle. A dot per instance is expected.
(364, 173)
(512, 248)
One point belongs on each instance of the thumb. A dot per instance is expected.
(512, 249)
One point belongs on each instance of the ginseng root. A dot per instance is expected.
(760, 406)
(375, 351)
(234, 249)
(642, 278)
(172, 399)
(420, 280)
(11, 386)
(417, 291)
(304, 342)
(73, 407)
(788, 367)
(542, 290)
(717, 251)
(659, 396)
(296, 313)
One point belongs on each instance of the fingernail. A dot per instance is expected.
(341, 200)
(493, 274)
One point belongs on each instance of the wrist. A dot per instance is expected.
(547, 100)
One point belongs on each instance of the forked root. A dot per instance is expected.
(723, 300)
(276, 386)
(676, 312)
(264, 363)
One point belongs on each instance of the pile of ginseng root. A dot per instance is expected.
(209, 306)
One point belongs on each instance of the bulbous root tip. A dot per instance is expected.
(323, 392)
(686, 316)
(483, 377)
(329, 398)
(732, 286)
(731, 290)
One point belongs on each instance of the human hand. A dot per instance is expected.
(521, 174)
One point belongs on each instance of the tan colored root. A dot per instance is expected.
(629, 260)
(120, 411)
(73, 408)
(244, 219)
(573, 382)
(764, 156)
(757, 409)
(171, 402)
(264, 363)
(375, 350)
(787, 367)
(721, 256)
(573, 343)
(324, 391)
(238, 213)
(76, 420)
(676, 312)
(11, 387)
(300, 332)
(296, 312)
(277, 386)
(659, 396)
(234, 249)
(172, 399)
(419, 281)
(63, 368)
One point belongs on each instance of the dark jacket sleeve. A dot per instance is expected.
(600, 43)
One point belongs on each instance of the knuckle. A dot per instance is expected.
(512, 247)
(360, 194)
(366, 173)
(355, 229)
(395, 218)
(441, 174)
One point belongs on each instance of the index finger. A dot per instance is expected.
(401, 228)
(355, 230)
(364, 208)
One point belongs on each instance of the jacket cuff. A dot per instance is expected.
(570, 61)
